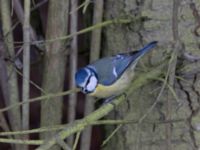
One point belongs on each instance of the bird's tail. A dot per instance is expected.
(136, 55)
(148, 47)
(139, 53)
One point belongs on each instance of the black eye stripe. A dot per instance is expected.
(88, 80)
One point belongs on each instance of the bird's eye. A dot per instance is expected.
(88, 80)
(84, 90)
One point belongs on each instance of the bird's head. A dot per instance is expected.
(86, 79)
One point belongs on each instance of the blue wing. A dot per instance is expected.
(109, 69)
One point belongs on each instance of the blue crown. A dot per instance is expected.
(81, 75)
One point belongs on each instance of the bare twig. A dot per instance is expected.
(96, 26)
(111, 135)
(44, 97)
(99, 122)
(31, 82)
(80, 6)
(39, 4)
(18, 5)
(76, 140)
(86, 3)
(24, 142)
(62, 143)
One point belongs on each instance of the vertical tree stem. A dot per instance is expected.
(14, 114)
(94, 55)
(26, 67)
(73, 64)
(54, 64)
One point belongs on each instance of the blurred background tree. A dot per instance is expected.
(42, 44)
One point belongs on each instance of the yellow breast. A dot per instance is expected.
(116, 88)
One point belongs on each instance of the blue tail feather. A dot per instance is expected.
(148, 46)
(139, 53)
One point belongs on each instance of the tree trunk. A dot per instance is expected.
(11, 90)
(54, 65)
(171, 120)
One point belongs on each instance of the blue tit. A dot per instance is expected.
(110, 76)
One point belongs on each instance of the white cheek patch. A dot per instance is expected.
(92, 84)
(114, 72)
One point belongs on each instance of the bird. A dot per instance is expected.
(110, 76)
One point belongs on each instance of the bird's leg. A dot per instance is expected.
(109, 99)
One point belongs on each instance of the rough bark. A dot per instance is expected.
(185, 103)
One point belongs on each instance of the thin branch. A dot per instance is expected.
(39, 4)
(76, 141)
(24, 142)
(86, 4)
(80, 6)
(38, 130)
(62, 143)
(31, 82)
(45, 97)
(96, 123)
(96, 26)
(32, 9)
(111, 135)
